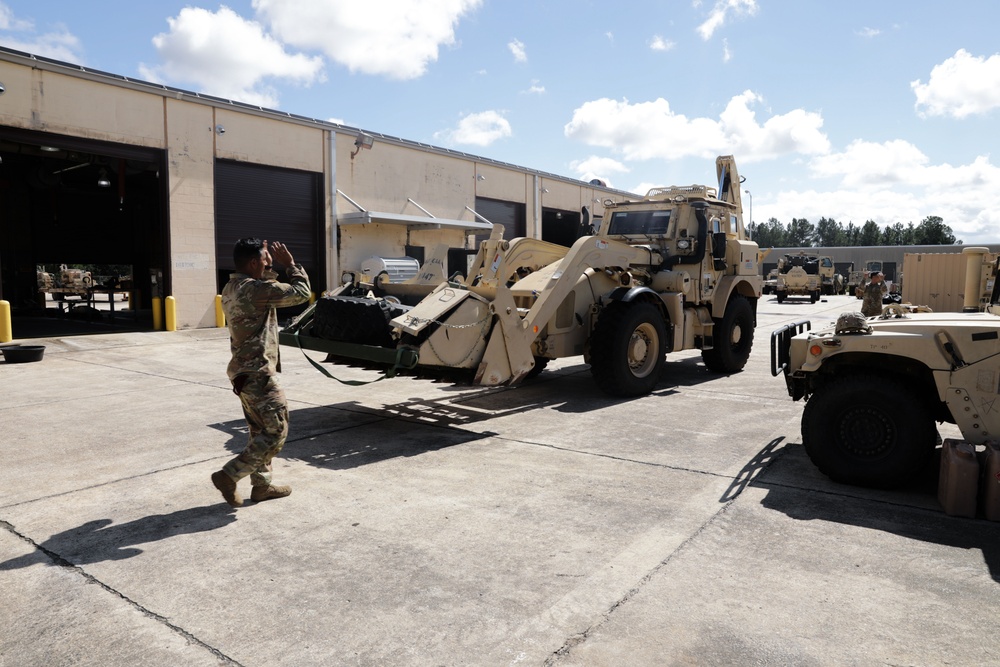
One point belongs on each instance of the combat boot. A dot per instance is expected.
(227, 486)
(262, 493)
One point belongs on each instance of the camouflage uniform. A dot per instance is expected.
(872, 304)
(253, 335)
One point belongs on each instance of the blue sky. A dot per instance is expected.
(851, 110)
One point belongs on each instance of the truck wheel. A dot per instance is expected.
(814, 296)
(536, 370)
(868, 430)
(781, 297)
(732, 337)
(628, 348)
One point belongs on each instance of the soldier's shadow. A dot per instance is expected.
(101, 540)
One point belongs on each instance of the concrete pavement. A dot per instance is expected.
(441, 524)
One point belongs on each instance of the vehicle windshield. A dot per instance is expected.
(651, 223)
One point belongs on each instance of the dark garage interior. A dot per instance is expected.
(93, 206)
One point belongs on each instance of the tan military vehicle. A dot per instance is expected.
(875, 387)
(76, 282)
(671, 271)
(831, 282)
(798, 275)
(770, 282)
(858, 278)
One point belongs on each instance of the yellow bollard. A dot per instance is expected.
(6, 333)
(170, 309)
(157, 314)
(220, 315)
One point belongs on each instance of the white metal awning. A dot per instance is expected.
(365, 217)
(411, 221)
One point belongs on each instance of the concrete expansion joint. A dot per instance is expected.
(579, 638)
(91, 579)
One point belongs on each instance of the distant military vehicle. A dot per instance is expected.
(832, 282)
(74, 282)
(798, 275)
(858, 278)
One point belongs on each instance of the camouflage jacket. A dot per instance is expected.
(872, 304)
(253, 323)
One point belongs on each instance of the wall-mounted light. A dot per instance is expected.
(49, 149)
(102, 179)
(544, 190)
(220, 130)
(3, 89)
(362, 141)
(480, 177)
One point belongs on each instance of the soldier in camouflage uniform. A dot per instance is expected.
(873, 292)
(249, 300)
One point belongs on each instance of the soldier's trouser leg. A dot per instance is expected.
(266, 412)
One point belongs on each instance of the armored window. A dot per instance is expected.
(650, 223)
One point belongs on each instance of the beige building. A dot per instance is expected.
(101, 169)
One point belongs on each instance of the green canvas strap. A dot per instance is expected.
(390, 372)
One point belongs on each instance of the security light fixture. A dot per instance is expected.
(362, 141)
(49, 149)
(102, 179)
(220, 130)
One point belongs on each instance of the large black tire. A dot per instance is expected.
(628, 348)
(536, 370)
(868, 430)
(732, 338)
(781, 296)
(814, 296)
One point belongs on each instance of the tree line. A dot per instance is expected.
(827, 233)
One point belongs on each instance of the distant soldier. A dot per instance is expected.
(249, 300)
(873, 292)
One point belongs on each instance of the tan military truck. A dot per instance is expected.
(831, 282)
(671, 271)
(798, 275)
(875, 388)
(770, 282)
(858, 278)
(73, 282)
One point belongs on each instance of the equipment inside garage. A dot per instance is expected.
(82, 231)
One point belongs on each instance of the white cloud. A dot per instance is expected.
(598, 167)
(227, 56)
(869, 32)
(894, 182)
(9, 22)
(648, 130)
(59, 44)
(393, 38)
(720, 12)
(516, 47)
(727, 55)
(535, 89)
(660, 44)
(478, 129)
(865, 165)
(961, 86)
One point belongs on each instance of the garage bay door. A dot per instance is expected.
(269, 203)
